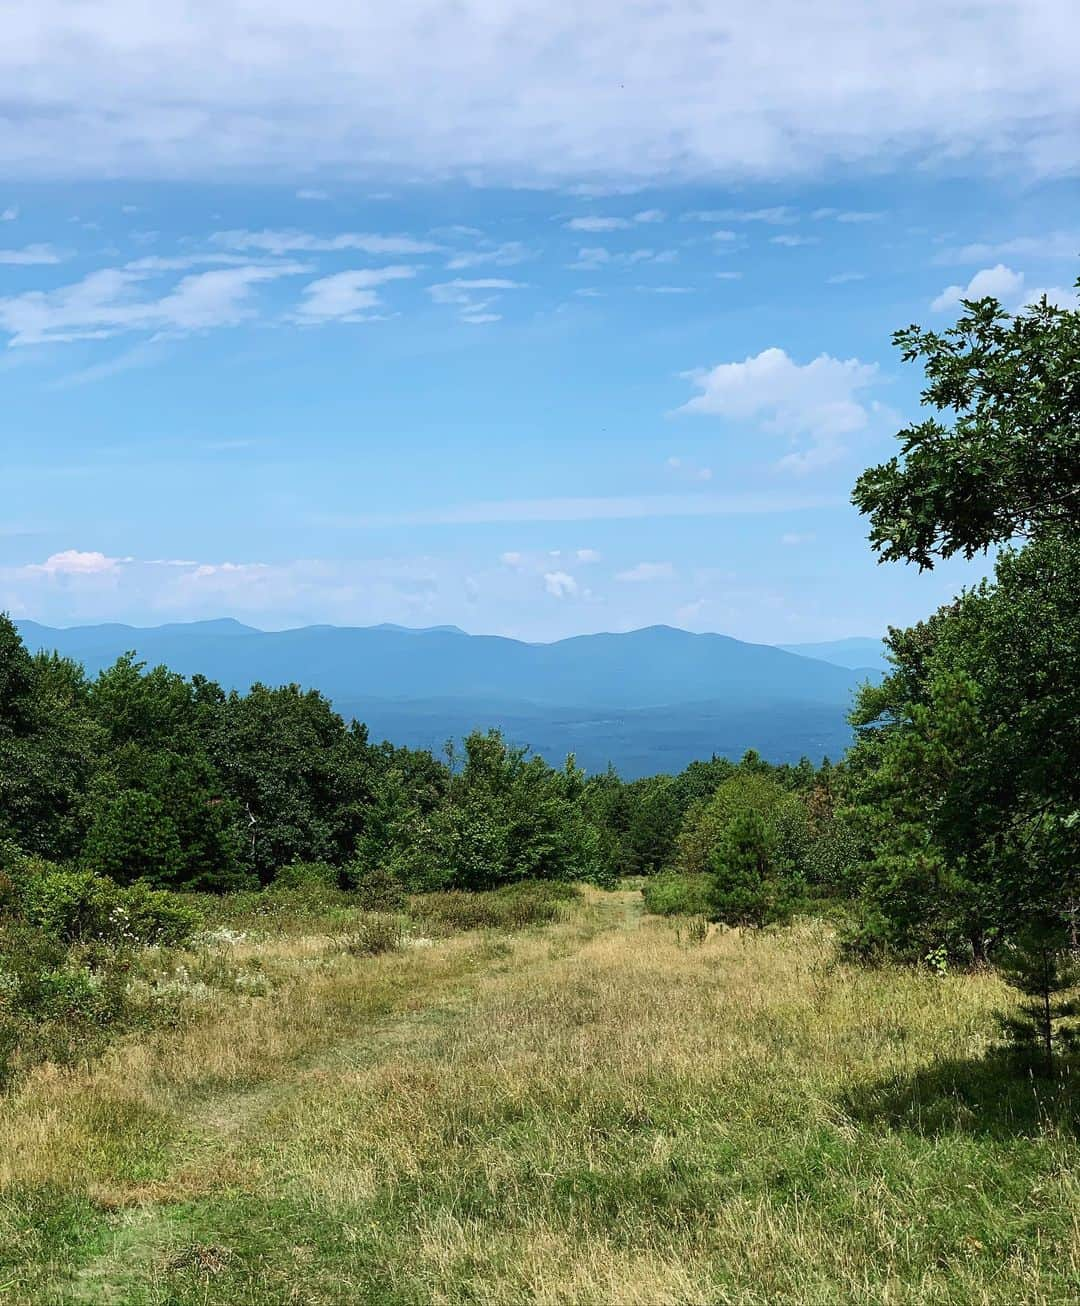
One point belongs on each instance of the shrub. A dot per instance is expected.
(80, 907)
(673, 894)
(375, 935)
(514, 907)
(373, 887)
(307, 875)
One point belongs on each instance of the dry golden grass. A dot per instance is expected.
(596, 1112)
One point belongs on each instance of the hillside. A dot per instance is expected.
(647, 700)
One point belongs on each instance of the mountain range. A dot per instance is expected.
(645, 701)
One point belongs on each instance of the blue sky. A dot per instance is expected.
(499, 316)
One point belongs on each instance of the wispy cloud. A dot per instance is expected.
(112, 301)
(848, 215)
(504, 254)
(304, 242)
(31, 256)
(473, 296)
(778, 215)
(347, 296)
(1063, 245)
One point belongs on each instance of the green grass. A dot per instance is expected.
(592, 1112)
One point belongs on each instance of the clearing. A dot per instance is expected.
(598, 1111)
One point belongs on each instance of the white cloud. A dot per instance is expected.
(457, 291)
(346, 296)
(778, 215)
(473, 306)
(666, 290)
(303, 242)
(72, 562)
(587, 555)
(180, 262)
(645, 572)
(504, 255)
(511, 558)
(540, 94)
(108, 302)
(1063, 245)
(1060, 296)
(794, 538)
(816, 401)
(312, 195)
(793, 242)
(9, 214)
(30, 256)
(600, 222)
(560, 584)
(847, 215)
(597, 224)
(999, 281)
(843, 278)
(593, 258)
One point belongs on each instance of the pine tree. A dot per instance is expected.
(1042, 966)
(748, 887)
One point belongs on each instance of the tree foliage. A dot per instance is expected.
(1009, 464)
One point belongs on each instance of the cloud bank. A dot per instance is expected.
(534, 92)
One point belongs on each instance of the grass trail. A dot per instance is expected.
(595, 1112)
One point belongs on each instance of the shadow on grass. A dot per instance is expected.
(994, 1097)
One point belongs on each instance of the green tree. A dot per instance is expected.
(749, 883)
(753, 791)
(50, 749)
(965, 779)
(1009, 464)
(1041, 964)
(133, 839)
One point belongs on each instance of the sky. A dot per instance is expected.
(532, 320)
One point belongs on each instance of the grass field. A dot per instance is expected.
(596, 1111)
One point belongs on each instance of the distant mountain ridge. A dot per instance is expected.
(654, 695)
(854, 653)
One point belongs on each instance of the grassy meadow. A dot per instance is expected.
(605, 1108)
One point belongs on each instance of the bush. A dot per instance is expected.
(375, 935)
(59, 1002)
(307, 875)
(81, 907)
(674, 894)
(373, 887)
(513, 907)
